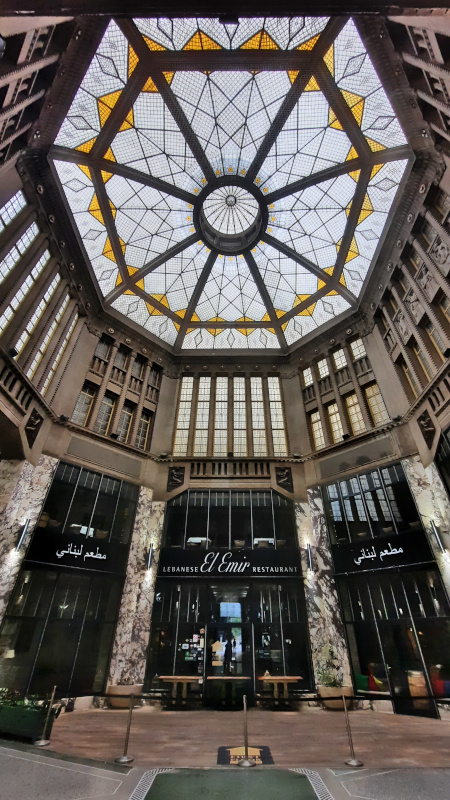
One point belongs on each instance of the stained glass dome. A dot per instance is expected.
(231, 184)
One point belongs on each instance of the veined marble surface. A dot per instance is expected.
(326, 630)
(433, 504)
(23, 489)
(129, 653)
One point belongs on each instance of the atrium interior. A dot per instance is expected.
(224, 357)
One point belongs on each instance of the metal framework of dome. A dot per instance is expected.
(231, 184)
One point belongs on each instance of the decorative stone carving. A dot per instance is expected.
(33, 426)
(175, 478)
(427, 428)
(414, 306)
(426, 281)
(284, 478)
(402, 326)
(439, 252)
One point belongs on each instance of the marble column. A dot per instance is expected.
(23, 489)
(129, 654)
(326, 630)
(433, 504)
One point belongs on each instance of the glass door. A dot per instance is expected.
(229, 647)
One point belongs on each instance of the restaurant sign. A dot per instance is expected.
(177, 563)
(81, 552)
(401, 550)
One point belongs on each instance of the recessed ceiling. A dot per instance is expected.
(231, 184)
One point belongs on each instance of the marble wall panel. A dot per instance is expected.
(326, 630)
(433, 504)
(129, 652)
(23, 489)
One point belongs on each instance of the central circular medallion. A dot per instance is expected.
(230, 218)
(230, 209)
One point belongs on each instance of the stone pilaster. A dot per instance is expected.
(433, 504)
(326, 630)
(129, 652)
(23, 489)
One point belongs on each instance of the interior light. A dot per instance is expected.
(437, 536)
(309, 557)
(22, 535)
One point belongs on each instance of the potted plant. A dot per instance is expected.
(330, 687)
(124, 687)
(25, 717)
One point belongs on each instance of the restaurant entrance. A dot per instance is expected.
(230, 638)
(229, 607)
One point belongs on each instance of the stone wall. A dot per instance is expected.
(129, 653)
(23, 489)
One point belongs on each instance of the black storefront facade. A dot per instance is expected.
(60, 622)
(394, 605)
(229, 615)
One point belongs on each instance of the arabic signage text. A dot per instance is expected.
(77, 551)
(200, 563)
(382, 553)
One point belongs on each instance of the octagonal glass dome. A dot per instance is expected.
(230, 184)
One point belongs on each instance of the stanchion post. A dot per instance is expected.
(352, 761)
(125, 758)
(43, 742)
(246, 761)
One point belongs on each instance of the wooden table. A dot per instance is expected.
(276, 680)
(228, 679)
(184, 680)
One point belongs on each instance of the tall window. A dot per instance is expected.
(322, 366)
(410, 378)
(83, 405)
(340, 360)
(258, 417)
(11, 209)
(143, 430)
(444, 305)
(358, 349)
(47, 338)
(105, 413)
(21, 293)
(308, 377)
(335, 422)
(276, 417)
(59, 354)
(221, 417)
(124, 424)
(239, 418)
(202, 417)
(317, 431)
(436, 338)
(184, 417)
(36, 316)
(102, 349)
(376, 404)
(10, 260)
(354, 414)
(423, 361)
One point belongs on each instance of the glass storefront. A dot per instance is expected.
(376, 503)
(228, 611)
(396, 611)
(398, 631)
(230, 519)
(58, 631)
(61, 618)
